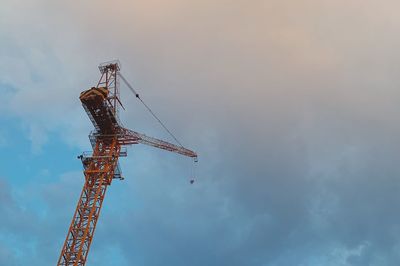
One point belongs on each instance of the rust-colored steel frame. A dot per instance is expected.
(102, 166)
(99, 170)
(109, 72)
(98, 176)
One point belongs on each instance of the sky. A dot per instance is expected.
(292, 107)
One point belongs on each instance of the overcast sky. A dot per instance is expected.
(292, 107)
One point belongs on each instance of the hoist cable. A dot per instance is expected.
(148, 108)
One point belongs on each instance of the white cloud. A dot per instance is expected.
(273, 95)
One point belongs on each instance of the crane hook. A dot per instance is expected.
(195, 160)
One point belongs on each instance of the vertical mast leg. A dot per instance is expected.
(98, 175)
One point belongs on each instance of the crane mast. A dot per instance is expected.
(101, 104)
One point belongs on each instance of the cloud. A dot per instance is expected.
(292, 108)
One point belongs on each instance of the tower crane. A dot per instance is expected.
(109, 140)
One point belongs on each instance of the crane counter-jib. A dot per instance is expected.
(99, 110)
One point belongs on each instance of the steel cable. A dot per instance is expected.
(148, 108)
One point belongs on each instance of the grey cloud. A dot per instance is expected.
(291, 106)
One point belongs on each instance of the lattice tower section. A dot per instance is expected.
(99, 172)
